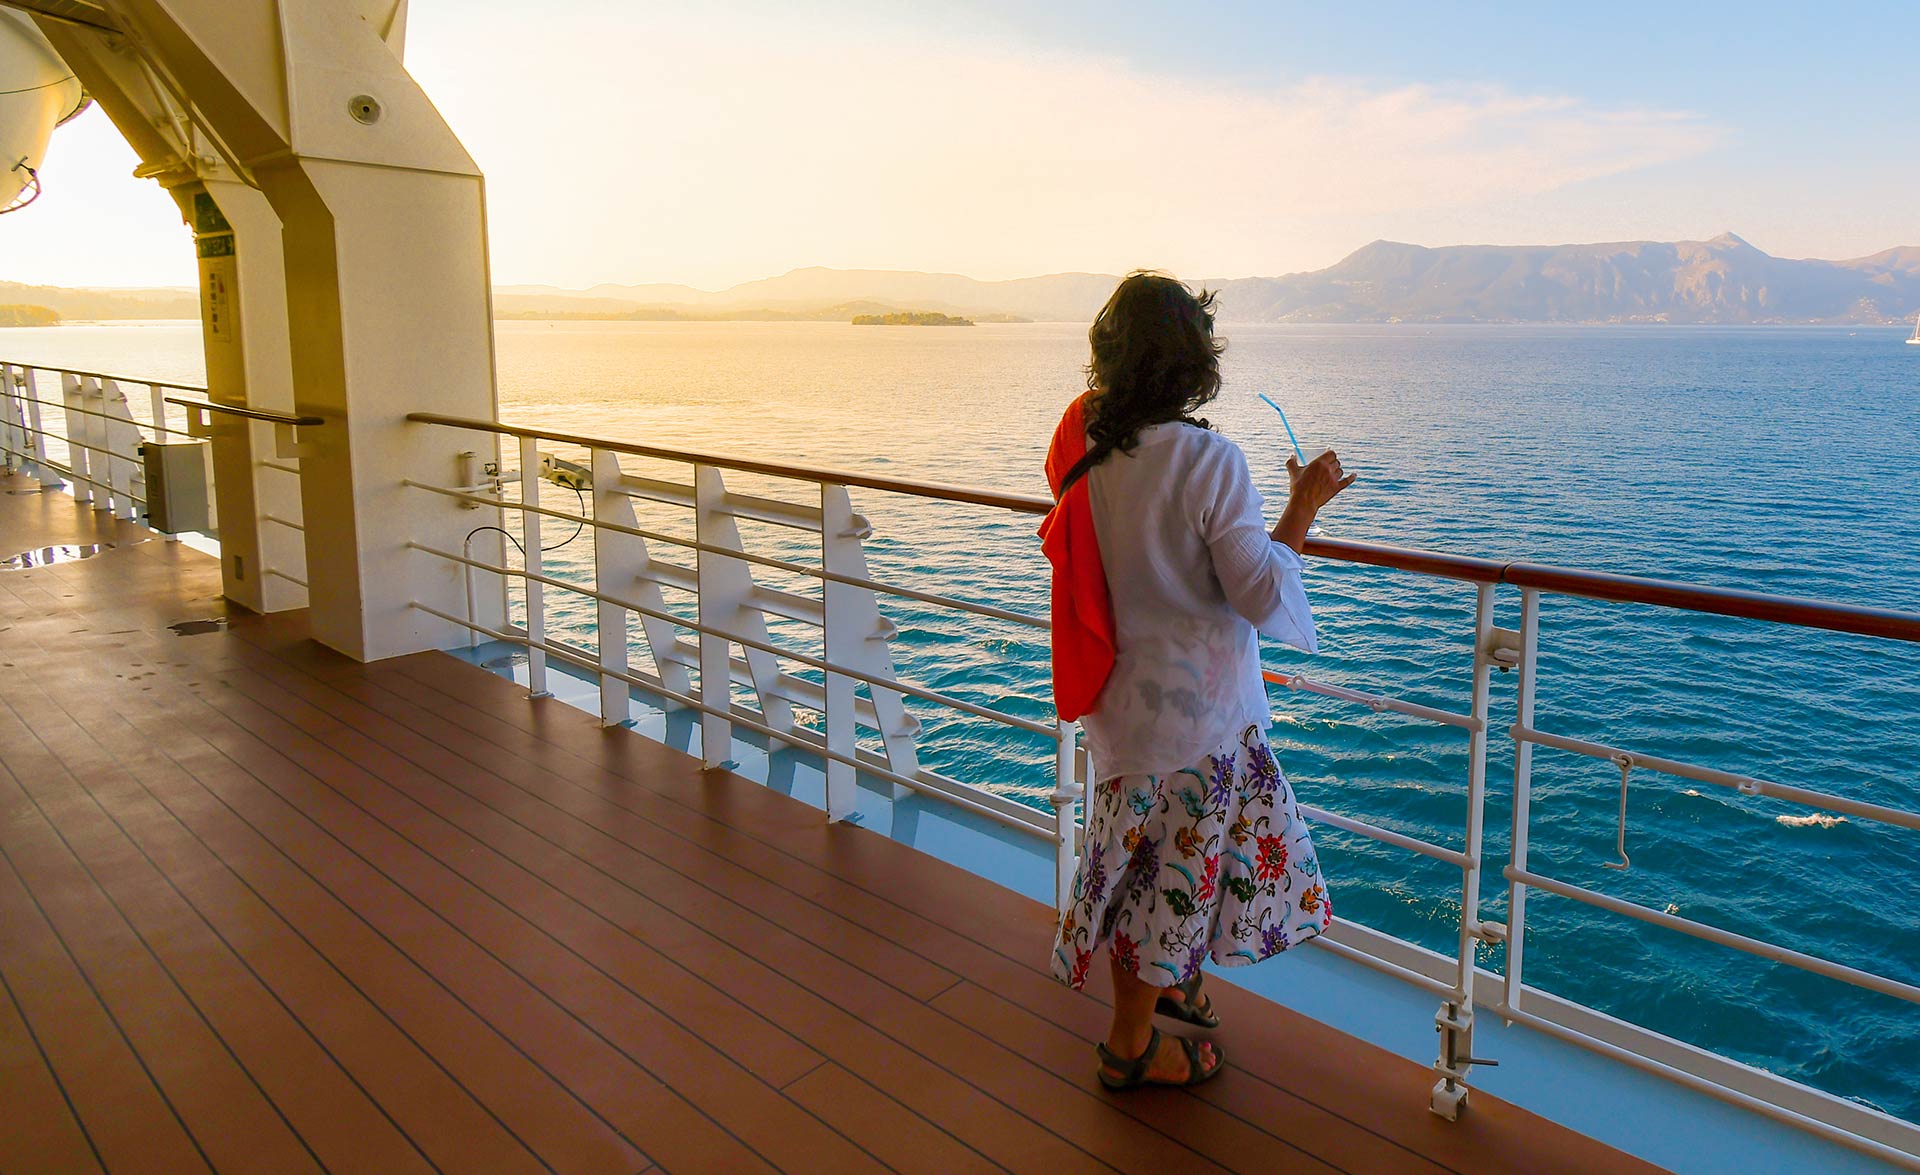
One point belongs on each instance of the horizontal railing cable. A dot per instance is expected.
(118, 379)
(811, 662)
(870, 584)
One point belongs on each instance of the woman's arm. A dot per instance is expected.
(1259, 576)
(1314, 485)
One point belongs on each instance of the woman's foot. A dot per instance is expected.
(1186, 1003)
(1163, 1060)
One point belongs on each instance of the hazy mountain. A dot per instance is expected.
(85, 303)
(1072, 297)
(1724, 280)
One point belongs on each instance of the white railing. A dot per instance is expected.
(89, 438)
(629, 577)
(89, 441)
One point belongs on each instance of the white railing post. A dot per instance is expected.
(843, 536)
(157, 403)
(611, 576)
(1455, 1018)
(73, 394)
(533, 591)
(626, 560)
(120, 437)
(13, 438)
(842, 635)
(1068, 790)
(727, 600)
(715, 610)
(1522, 794)
(37, 438)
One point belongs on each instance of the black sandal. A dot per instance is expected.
(1183, 1010)
(1134, 1072)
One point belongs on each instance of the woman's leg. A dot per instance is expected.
(1133, 1001)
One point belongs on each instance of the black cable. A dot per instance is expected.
(577, 527)
(476, 530)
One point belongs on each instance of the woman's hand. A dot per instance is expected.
(1314, 485)
(1318, 480)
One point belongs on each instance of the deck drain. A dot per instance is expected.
(47, 556)
(199, 627)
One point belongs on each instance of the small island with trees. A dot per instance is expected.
(910, 318)
(21, 315)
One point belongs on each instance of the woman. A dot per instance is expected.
(1163, 571)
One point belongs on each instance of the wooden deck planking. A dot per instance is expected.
(396, 916)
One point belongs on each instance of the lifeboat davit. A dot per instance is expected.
(37, 93)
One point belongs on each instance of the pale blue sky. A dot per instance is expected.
(632, 143)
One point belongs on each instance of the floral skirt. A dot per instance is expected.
(1215, 859)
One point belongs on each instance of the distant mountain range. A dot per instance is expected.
(98, 304)
(1724, 280)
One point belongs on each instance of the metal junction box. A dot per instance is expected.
(177, 483)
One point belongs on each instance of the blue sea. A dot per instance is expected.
(1777, 459)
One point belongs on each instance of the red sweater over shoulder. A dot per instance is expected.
(1083, 632)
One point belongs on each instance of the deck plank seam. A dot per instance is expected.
(406, 757)
(236, 955)
(412, 961)
(615, 841)
(403, 667)
(902, 1043)
(146, 738)
(346, 978)
(1225, 1111)
(334, 685)
(1281, 1090)
(159, 964)
(507, 858)
(6, 858)
(906, 1044)
(53, 1073)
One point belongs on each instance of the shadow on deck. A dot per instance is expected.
(265, 908)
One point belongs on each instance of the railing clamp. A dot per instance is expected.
(1503, 648)
(1455, 1026)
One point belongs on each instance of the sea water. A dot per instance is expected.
(1782, 460)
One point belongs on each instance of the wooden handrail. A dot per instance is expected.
(250, 413)
(1408, 559)
(1594, 585)
(1662, 593)
(1019, 503)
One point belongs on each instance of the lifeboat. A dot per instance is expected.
(37, 93)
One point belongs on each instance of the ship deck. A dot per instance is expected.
(265, 908)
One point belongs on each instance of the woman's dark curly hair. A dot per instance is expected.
(1154, 360)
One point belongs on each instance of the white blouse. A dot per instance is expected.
(1192, 571)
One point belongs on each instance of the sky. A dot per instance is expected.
(716, 143)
